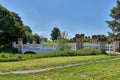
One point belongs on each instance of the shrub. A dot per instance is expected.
(82, 52)
(62, 43)
(8, 50)
(7, 57)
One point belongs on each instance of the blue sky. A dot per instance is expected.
(72, 16)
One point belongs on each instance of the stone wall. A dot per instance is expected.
(79, 41)
(20, 42)
(94, 39)
(116, 46)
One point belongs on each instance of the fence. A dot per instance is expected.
(39, 48)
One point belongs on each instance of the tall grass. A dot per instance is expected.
(82, 52)
(7, 57)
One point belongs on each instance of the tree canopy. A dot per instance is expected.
(12, 26)
(115, 23)
(7, 24)
(55, 33)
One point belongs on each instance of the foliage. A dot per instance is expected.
(7, 25)
(72, 39)
(17, 18)
(102, 38)
(87, 39)
(115, 23)
(13, 27)
(62, 43)
(19, 57)
(108, 39)
(55, 34)
(37, 38)
(8, 50)
(4, 57)
(79, 35)
(82, 52)
(27, 34)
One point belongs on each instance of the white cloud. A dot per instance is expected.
(43, 34)
(40, 33)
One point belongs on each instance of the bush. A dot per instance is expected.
(62, 43)
(7, 57)
(82, 52)
(8, 50)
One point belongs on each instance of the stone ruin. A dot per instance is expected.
(116, 44)
(20, 43)
(94, 39)
(79, 41)
(98, 42)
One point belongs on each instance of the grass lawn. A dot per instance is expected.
(109, 70)
(47, 62)
(51, 42)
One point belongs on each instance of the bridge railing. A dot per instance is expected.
(50, 46)
(53, 46)
(31, 46)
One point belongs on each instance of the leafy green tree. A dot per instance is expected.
(108, 39)
(73, 39)
(102, 38)
(55, 34)
(115, 23)
(21, 30)
(87, 39)
(17, 18)
(13, 27)
(27, 34)
(7, 25)
(37, 38)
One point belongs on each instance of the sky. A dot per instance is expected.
(72, 16)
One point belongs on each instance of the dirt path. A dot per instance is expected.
(51, 68)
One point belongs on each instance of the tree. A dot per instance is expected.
(21, 30)
(62, 43)
(12, 26)
(37, 38)
(17, 18)
(27, 34)
(73, 39)
(108, 39)
(55, 34)
(7, 25)
(115, 23)
(87, 39)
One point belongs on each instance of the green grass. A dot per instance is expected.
(49, 42)
(7, 57)
(48, 62)
(109, 70)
